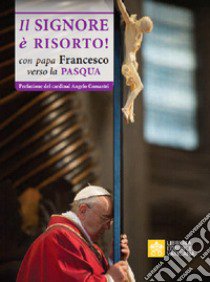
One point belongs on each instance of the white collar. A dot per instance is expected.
(73, 217)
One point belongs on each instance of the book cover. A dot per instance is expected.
(62, 89)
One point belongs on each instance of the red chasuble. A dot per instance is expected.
(62, 254)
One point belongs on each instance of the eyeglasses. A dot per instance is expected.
(103, 218)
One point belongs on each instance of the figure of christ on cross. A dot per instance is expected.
(134, 30)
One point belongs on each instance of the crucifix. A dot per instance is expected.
(134, 30)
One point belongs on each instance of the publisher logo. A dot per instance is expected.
(186, 260)
(174, 248)
(156, 248)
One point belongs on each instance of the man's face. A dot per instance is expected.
(97, 218)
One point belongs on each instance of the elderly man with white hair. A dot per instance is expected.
(67, 250)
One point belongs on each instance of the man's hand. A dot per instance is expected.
(125, 251)
(118, 271)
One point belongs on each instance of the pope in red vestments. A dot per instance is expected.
(66, 251)
(62, 253)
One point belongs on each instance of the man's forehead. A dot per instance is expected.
(105, 203)
(106, 199)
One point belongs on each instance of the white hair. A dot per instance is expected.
(88, 201)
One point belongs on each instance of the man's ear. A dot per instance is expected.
(82, 211)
